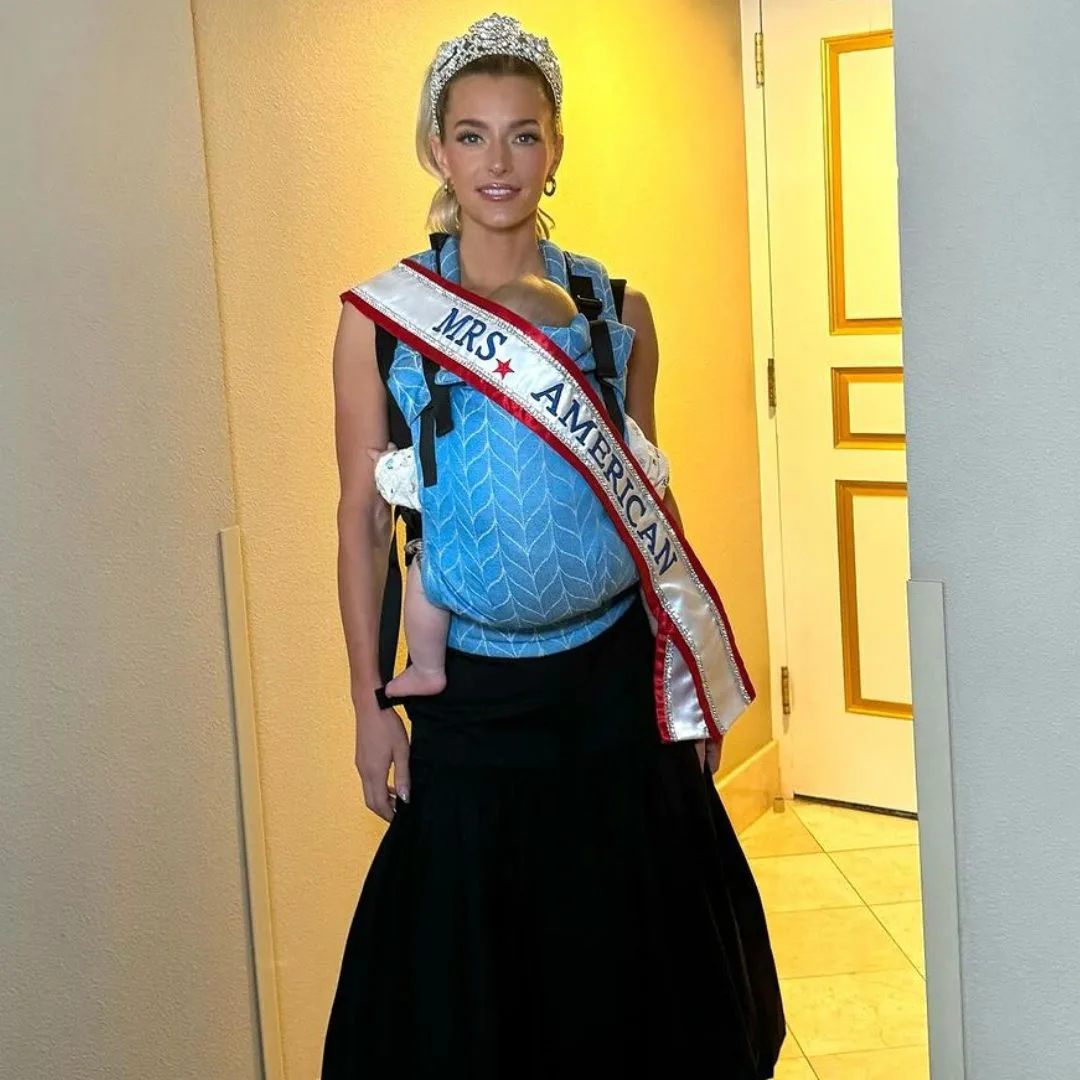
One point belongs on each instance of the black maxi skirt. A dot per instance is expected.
(563, 893)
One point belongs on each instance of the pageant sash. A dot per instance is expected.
(700, 681)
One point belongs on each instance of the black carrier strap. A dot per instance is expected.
(385, 345)
(401, 437)
(584, 294)
(390, 615)
(435, 419)
(618, 291)
(581, 289)
(605, 370)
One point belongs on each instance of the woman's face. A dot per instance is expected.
(499, 147)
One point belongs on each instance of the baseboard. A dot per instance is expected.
(750, 790)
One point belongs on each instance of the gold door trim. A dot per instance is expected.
(831, 51)
(843, 437)
(846, 491)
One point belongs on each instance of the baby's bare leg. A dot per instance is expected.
(426, 627)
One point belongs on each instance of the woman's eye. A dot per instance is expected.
(529, 138)
(468, 138)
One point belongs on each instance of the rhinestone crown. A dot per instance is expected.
(496, 35)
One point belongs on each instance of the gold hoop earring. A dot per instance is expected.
(550, 186)
(448, 188)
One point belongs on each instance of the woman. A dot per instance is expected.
(559, 889)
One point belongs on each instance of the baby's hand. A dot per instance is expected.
(377, 455)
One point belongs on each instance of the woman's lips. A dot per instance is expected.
(498, 192)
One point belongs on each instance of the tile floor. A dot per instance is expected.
(841, 890)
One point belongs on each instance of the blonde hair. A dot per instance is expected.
(444, 216)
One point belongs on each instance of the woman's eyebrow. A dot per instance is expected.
(482, 124)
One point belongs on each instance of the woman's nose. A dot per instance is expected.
(499, 162)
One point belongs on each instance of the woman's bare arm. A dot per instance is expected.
(363, 520)
(641, 375)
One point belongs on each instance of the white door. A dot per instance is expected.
(832, 211)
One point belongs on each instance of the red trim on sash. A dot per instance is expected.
(666, 629)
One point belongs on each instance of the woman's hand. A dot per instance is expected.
(381, 741)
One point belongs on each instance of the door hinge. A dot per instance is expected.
(785, 690)
(759, 59)
(771, 376)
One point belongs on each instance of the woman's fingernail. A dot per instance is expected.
(403, 794)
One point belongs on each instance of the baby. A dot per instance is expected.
(542, 303)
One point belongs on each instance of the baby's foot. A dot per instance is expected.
(417, 682)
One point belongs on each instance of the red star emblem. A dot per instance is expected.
(503, 368)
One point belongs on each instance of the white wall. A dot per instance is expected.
(123, 940)
(989, 141)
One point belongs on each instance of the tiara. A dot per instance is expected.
(496, 35)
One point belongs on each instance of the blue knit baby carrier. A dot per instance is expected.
(547, 583)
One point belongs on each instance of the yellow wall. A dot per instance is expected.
(309, 108)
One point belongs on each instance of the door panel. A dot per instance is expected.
(831, 155)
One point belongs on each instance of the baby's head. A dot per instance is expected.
(538, 301)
